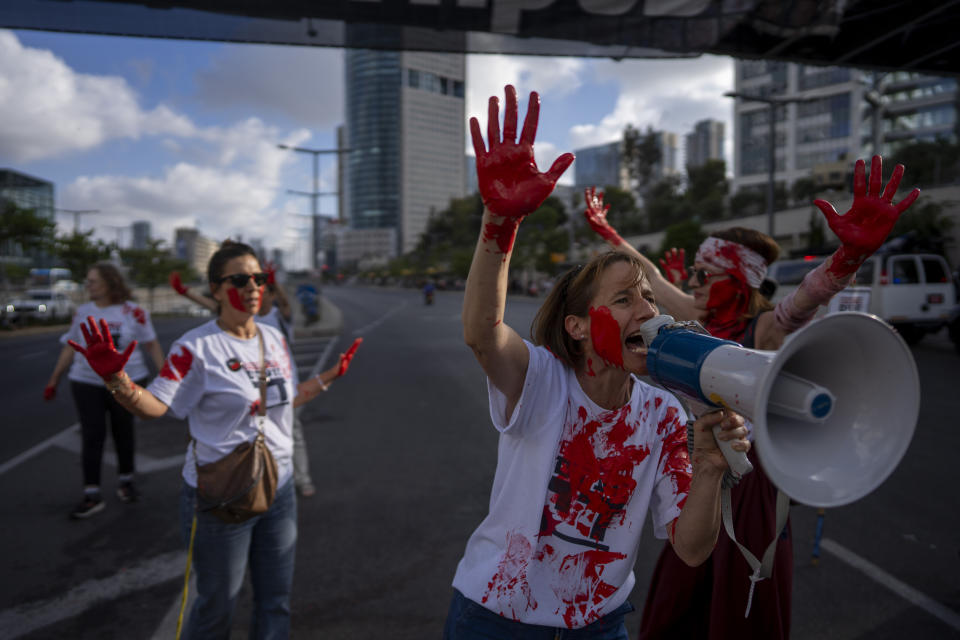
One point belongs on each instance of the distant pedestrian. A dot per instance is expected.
(216, 376)
(110, 301)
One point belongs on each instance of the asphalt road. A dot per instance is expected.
(403, 454)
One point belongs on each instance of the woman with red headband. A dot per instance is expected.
(708, 601)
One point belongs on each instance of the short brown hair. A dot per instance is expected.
(117, 289)
(571, 295)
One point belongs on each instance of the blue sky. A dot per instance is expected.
(184, 133)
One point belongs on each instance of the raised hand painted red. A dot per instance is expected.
(596, 215)
(102, 355)
(510, 183)
(605, 335)
(345, 358)
(871, 217)
(177, 284)
(49, 393)
(674, 265)
(271, 270)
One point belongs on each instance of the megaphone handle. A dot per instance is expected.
(739, 464)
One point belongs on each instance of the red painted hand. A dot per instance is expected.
(177, 284)
(102, 355)
(871, 217)
(510, 183)
(49, 393)
(596, 215)
(674, 267)
(271, 270)
(345, 358)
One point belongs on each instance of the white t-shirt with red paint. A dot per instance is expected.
(127, 322)
(211, 378)
(573, 485)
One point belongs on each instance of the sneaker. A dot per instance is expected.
(91, 505)
(127, 492)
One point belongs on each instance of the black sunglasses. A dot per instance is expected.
(703, 276)
(240, 280)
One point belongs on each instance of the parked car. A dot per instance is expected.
(40, 304)
(911, 291)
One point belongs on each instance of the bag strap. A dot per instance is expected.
(762, 569)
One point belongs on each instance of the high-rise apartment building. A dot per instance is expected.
(26, 192)
(197, 249)
(704, 143)
(599, 166)
(405, 126)
(141, 234)
(831, 120)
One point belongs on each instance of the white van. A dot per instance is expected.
(911, 291)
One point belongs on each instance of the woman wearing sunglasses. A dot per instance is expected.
(709, 601)
(211, 378)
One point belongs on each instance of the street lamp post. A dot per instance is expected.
(772, 103)
(76, 215)
(315, 194)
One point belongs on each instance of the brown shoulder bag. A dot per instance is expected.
(242, 484)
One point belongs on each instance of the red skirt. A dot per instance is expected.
(709, 601)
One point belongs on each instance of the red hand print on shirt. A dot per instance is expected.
(100, 352)
(596, 215)
(507, 175)
(871, 217)
(673, 455)
(509, 586)
(177, 365)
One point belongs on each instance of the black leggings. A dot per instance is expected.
(94, 402)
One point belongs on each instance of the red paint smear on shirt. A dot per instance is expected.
(176, 366)
(503, 234)
(255, 407)
(673, 455)
(510, 580)
(137, 312)
(605, 334)
(586, 571)
(594, 479)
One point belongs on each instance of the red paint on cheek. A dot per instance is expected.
(605, 335)
(503, 234)
(235, 300)
(177, 365)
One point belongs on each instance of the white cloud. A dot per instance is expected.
(48, 110)
(670, 95)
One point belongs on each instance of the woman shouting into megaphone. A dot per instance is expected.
(586, 447)
(725, 293)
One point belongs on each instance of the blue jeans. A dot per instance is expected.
(468, 620)
(221, 553)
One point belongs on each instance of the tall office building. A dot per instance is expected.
(190, 245)
(833, 122)
(25, 192)
(704, 143)
(599, 166)
(669, 164)
(141, 234)
(406, 129)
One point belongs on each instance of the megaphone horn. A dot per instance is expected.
(833, 410)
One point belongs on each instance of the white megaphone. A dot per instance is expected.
(833, 410)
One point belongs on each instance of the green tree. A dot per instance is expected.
(150, 267)
(927, 163)
(925, 226)
(23, 228)
(542, 234)
(78, 252)
(640, 154)
(686, 235)
(664, 205)
(707, 188)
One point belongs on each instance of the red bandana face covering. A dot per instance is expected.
(728, 302)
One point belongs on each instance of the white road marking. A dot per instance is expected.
(902, 589)
(26, 618)
(39, 448)
(376, 323)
